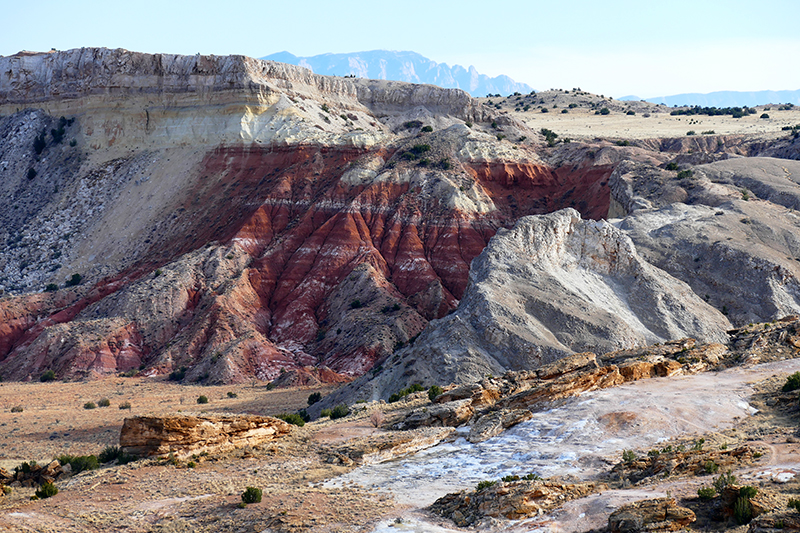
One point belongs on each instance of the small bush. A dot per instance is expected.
(39, 143)
(532, 477)
(623, 143)
(710, 467)
(325, 412)
(115, 453)
(412, 124)
(48, 375)
(340, 411)
(178, 375)
(31, 173)
(764, 115)
(485, 485)
(90, 405)
(630, 112)
(434, 391)
(683, 174)
(509, 479)
(706, 493)
(604, 111)
(742, 511)
(794, 504)
(125, 405)
(792, 383)
(748, 491)
(292, 418)
(671, 166)
(251, 495)
(427, 129)
(355, 304)
(232, 394)
(745, 195)
(202, 399)
(628, 456)
(47, 490)
(16, 409)
(74, 280)
(377, 418)
(79, 463)
(51, 287)
(314, 398)
(723, 481)
(104, 402)
(191, 464)
(691, 132)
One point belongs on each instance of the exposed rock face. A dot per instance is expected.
(738, 255)
(387, 446)
(660, 514)
(513, 500)
(187, 435)
(553, 285)
(234, 190)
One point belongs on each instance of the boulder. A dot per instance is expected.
(452, 414)
(660, 514)
(185, 435)
(495, 422)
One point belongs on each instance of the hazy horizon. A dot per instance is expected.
(614, 48)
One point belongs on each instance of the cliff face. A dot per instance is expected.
(239, 217)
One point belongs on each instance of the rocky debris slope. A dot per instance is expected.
(291, 220)
(184, 435)
(30, 474)
(553, 285)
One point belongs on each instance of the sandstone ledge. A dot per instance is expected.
(187, 435)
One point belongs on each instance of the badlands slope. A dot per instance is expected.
(243, 218)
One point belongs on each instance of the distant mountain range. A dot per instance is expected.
(725, 98)
(404, 66)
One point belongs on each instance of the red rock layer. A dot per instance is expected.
(306, 231)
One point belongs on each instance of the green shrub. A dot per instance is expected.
(532, 477)
(683, 174)
(745, 195)
(748, 491)
(202, 399)
(742, 511)
(191, 464)
(623, 143)
(434, 391)
(47, 490)
(251, 495)
(355, 304)
(427, 129)
(340, 411)
(485, 485)
(671, 166)
(325, 412)
(706, 493)
(764, 115)
(74, 280)
(48, 375)
(545, 110)
(51, 287)
(710, 467)
(794, 504)
(397, 396)
(509, 479)
(292, 418)
(125, 405)
(792, 383)
(314, 398)
(691, 132)
(628, 456)
(178, 374)
(630, 112)
(412, 124)
(115, 453)
(31, 173)
(39, 143)
(419, 149)
(16, 409)
(232, 394)
(90, 405)
(723, 481)
(604, 111)
(79, 463)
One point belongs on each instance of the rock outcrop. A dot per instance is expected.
(512, 500)
(660, 514)
(184, 435)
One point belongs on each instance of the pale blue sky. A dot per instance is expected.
(611, 47)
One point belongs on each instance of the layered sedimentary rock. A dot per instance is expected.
(553, 285)
(239, 217)
(187, 435)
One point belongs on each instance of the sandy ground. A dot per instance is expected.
(583, 124)
(54, 420)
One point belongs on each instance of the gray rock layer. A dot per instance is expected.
(553, 285)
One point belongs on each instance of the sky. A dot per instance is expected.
(612, 47)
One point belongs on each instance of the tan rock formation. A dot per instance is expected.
(513, 500)
(660, 514)
(186, 435)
